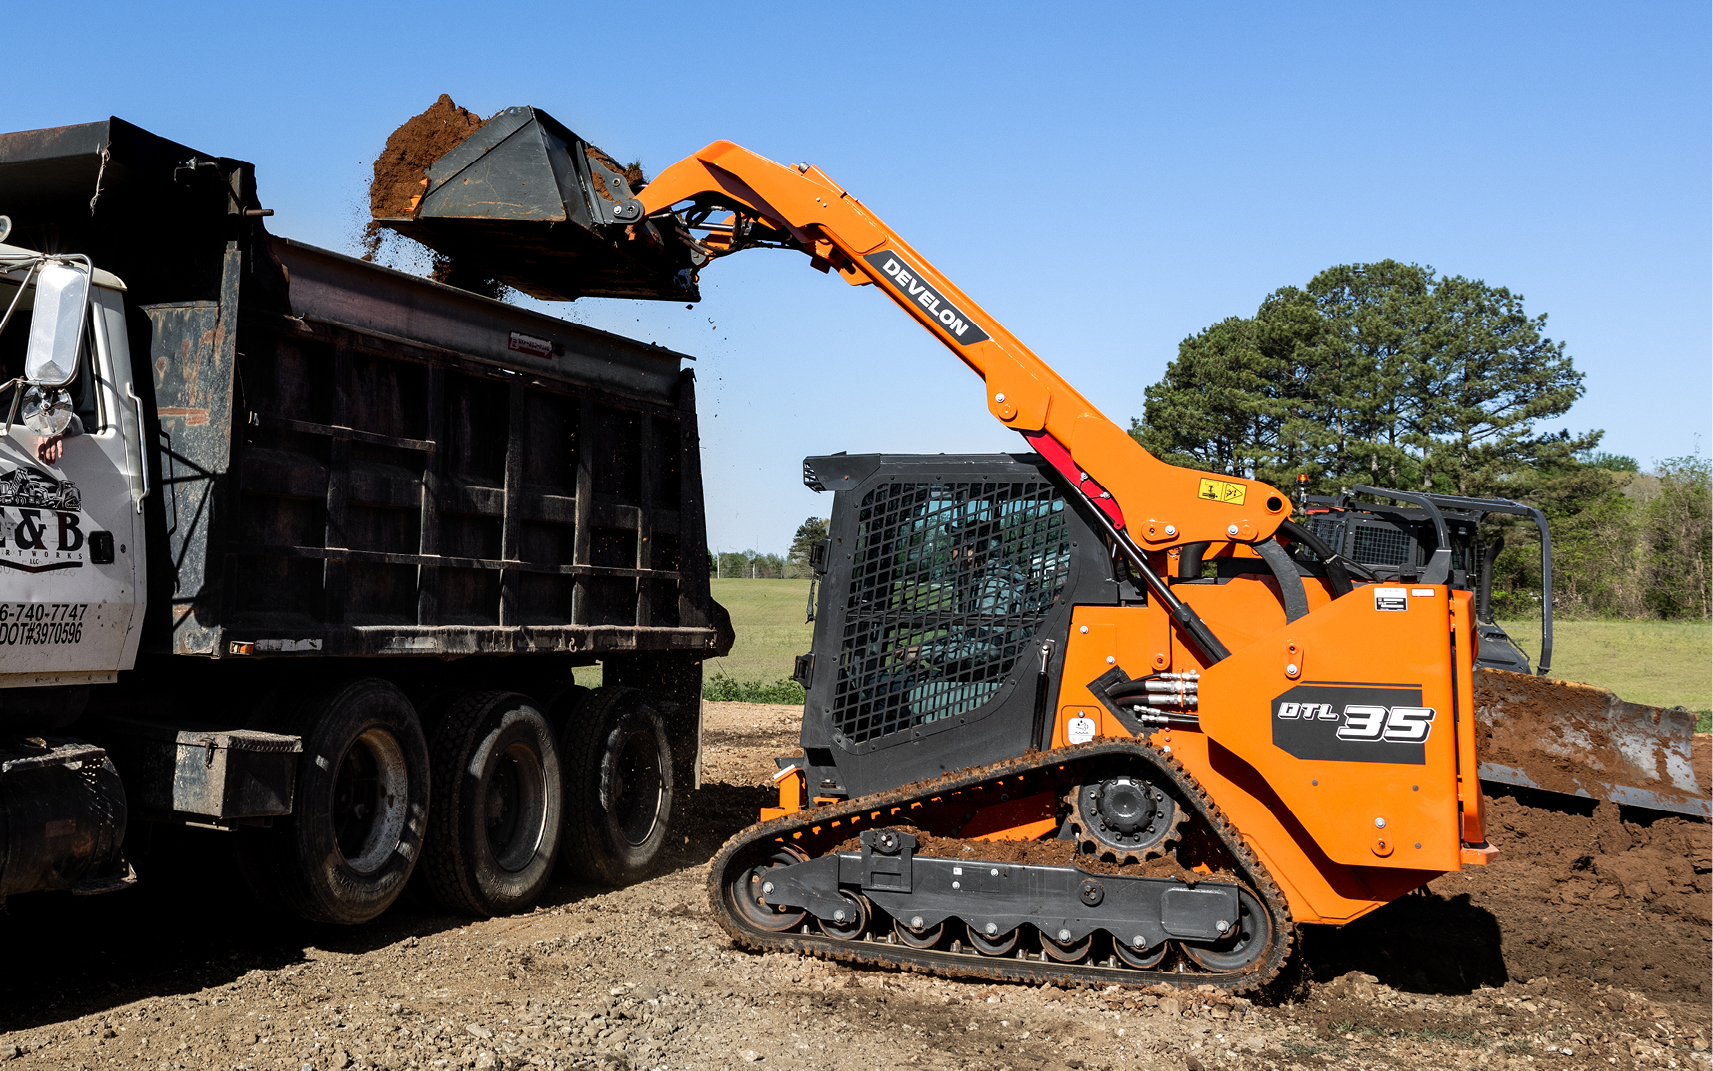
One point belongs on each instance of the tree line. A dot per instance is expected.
(756, 565)
(1391, 374)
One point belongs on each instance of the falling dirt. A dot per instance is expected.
(452, 273)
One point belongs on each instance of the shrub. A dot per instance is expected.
(723, 689)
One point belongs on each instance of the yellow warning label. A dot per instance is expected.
(1222, 491)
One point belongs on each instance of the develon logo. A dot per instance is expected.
(905, 279)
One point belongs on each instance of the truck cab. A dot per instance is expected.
(72, 581)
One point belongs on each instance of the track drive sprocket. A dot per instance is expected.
(1125, 819)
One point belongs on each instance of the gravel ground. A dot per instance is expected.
(1534, 962)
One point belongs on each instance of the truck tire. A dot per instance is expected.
(358, 817)
(618, 788)
(494, 826)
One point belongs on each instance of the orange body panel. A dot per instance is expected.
(1313, 820)
(1468, 784)
(1360, 811)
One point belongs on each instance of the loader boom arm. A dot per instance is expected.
(1151, 506)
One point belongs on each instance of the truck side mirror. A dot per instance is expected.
(56, 331)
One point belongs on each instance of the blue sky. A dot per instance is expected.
(1106, 179)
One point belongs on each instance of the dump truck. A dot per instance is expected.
(1073, 715)
(305, 552)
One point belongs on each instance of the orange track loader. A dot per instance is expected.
(1284, 747)
(1041, 743)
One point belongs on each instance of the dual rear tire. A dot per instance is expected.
(494, 827)
(619, 787)
(359, 811)
(505, 807)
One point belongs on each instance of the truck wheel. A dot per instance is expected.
(618, 787)
(346, 851)
(494, 826)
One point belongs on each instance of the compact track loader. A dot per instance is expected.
(1075, 714)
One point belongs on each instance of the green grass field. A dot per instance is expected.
(768, 617)
(1660, 663)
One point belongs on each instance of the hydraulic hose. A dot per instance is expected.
(1337, 576)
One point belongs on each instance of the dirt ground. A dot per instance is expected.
(1586, 944)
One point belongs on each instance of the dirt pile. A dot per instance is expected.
(1585, 894)
(399, 170)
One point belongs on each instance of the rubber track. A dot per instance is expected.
(742, 850)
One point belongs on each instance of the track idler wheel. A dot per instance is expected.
(990, 942)
(749, 896)
(1126, 818)
(1246, 943)
(1136, 953)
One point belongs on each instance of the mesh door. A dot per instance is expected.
(949, 582)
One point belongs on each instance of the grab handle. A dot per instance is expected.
(142, 449)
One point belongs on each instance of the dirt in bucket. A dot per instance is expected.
(400, 169)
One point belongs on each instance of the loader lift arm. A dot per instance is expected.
(1146, 505)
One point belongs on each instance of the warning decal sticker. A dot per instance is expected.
(1222, 491)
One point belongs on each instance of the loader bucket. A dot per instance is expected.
(525, 201)
(1584, 741)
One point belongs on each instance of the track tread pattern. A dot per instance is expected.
(732, 855)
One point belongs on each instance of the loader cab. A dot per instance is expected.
(71, 476)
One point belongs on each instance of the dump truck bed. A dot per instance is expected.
(416, 469)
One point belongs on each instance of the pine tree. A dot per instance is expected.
(809, 533)
(1380, 373)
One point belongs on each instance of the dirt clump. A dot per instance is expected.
(400, 170)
